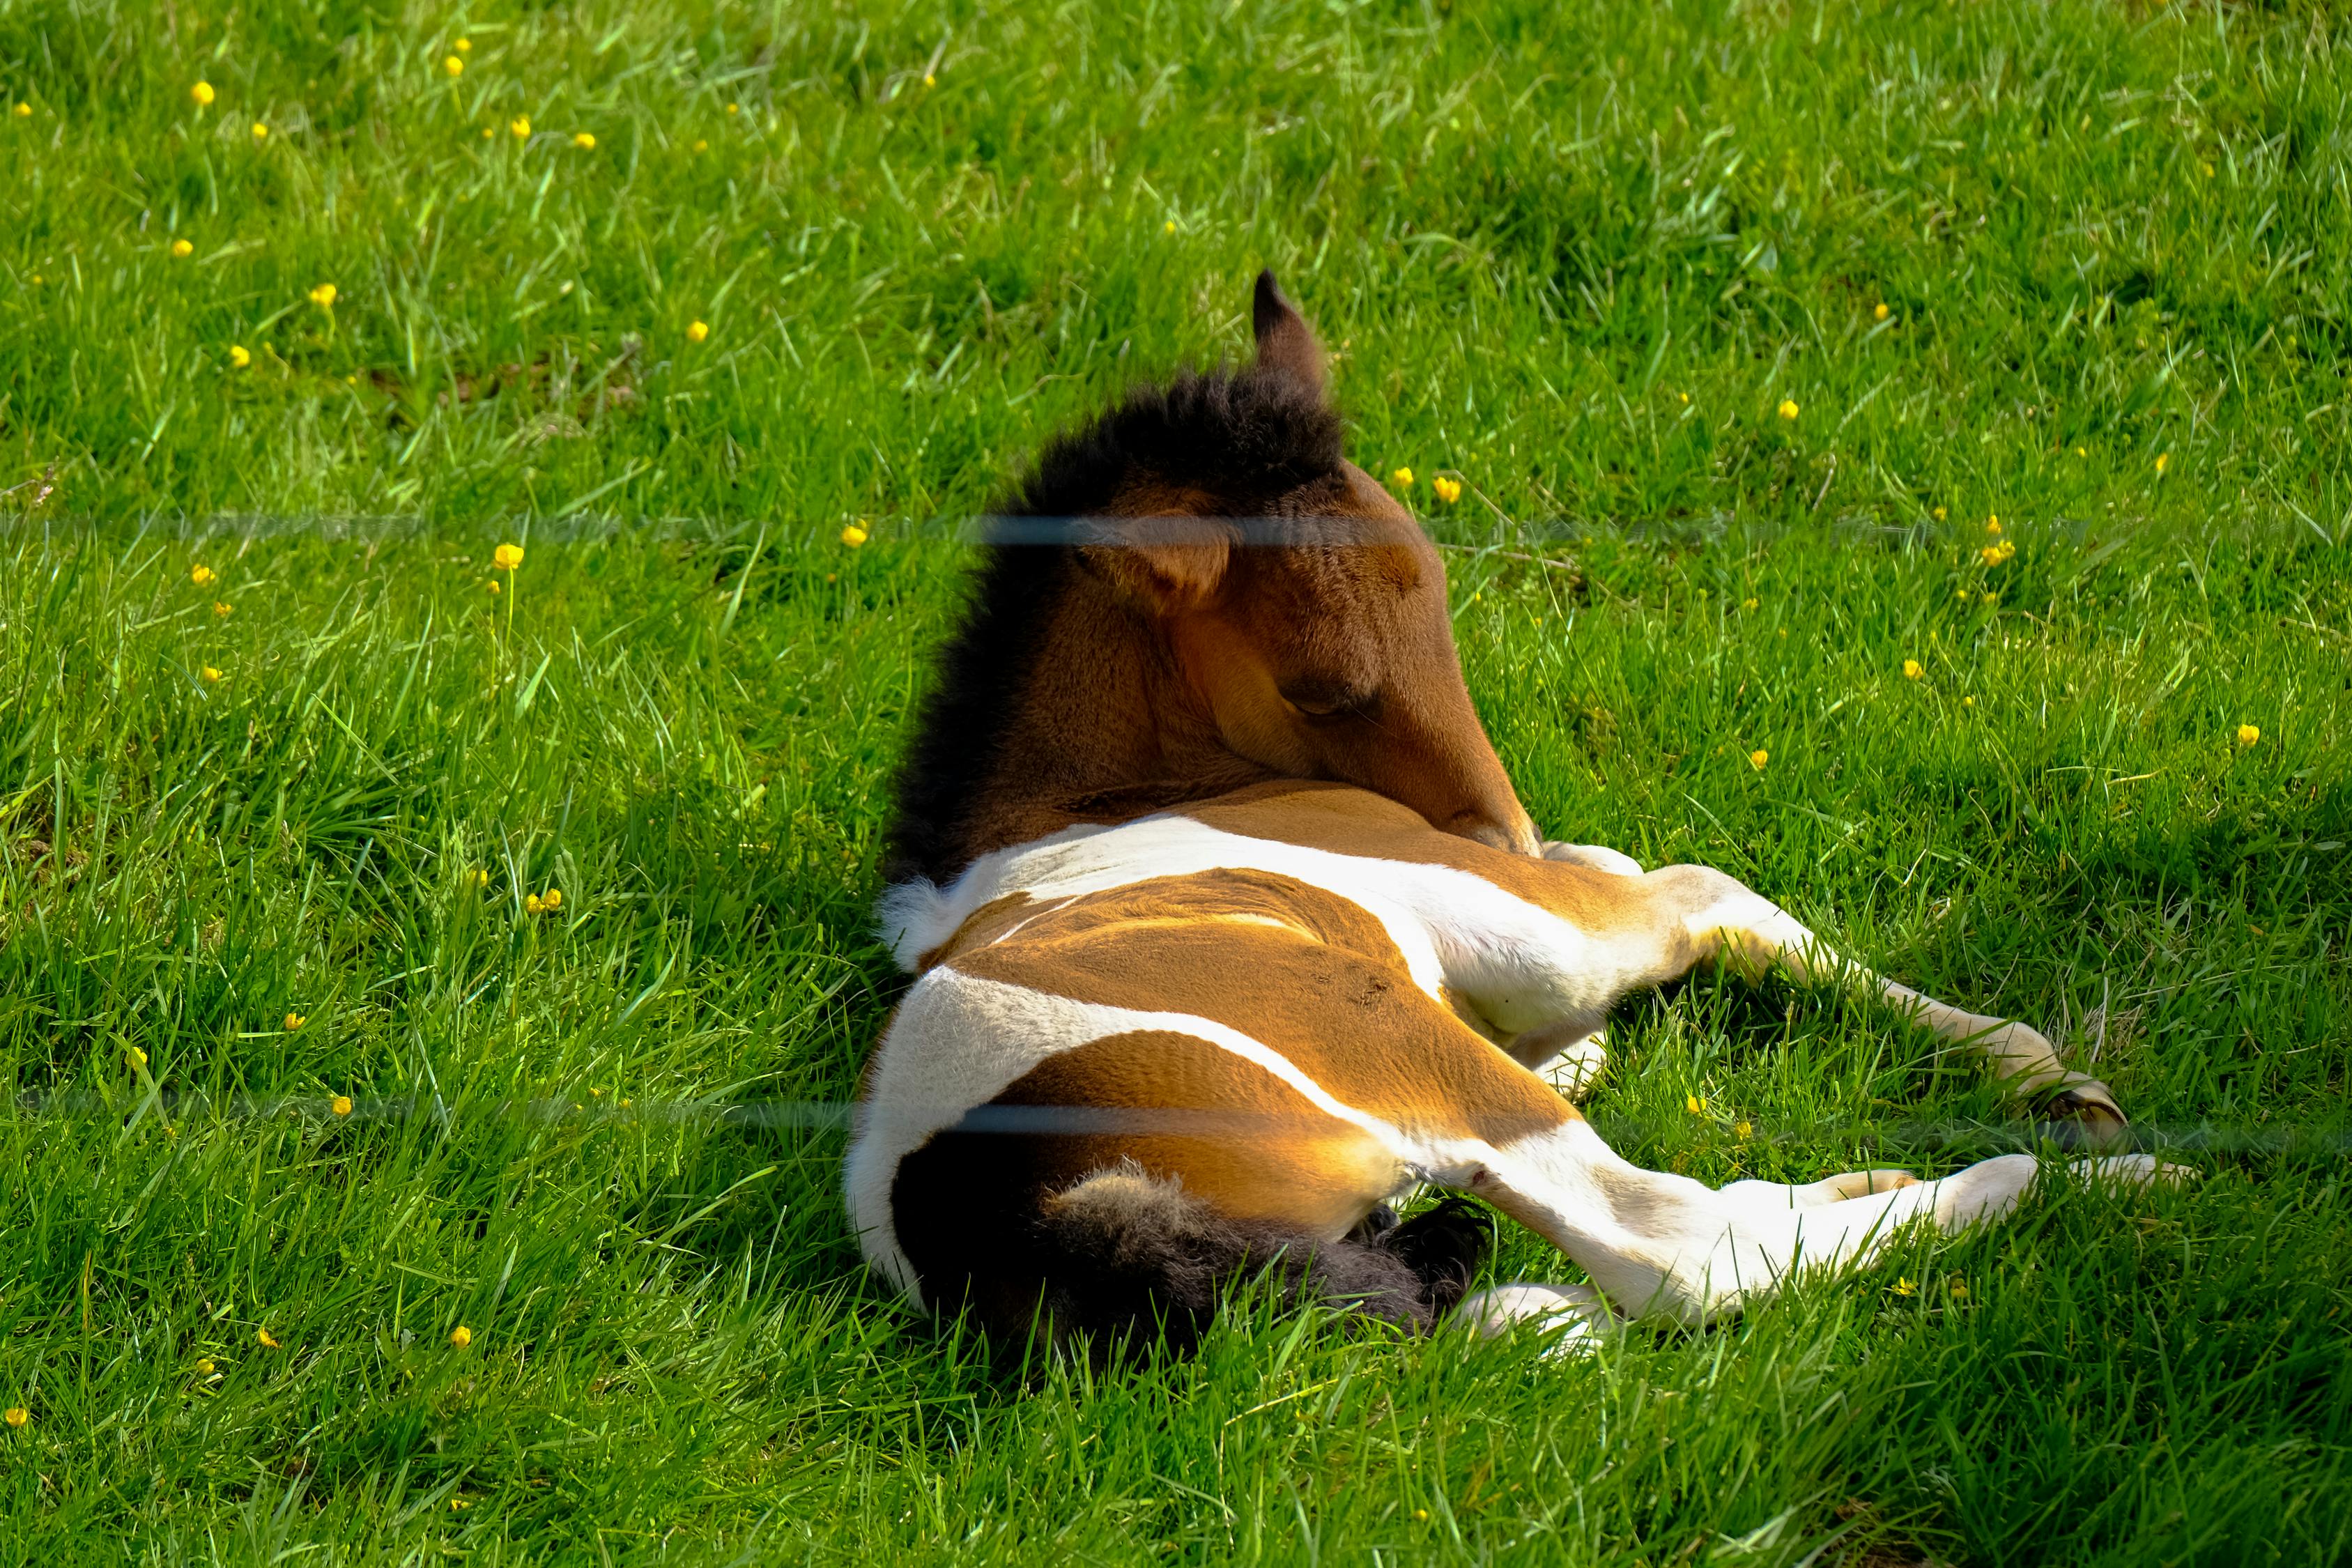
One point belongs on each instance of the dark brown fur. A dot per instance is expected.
(1221, 598)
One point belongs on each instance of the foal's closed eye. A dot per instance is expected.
(1317, 701)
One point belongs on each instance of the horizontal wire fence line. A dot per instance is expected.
(837, 1116)
(1455, 529)
(1474, 522)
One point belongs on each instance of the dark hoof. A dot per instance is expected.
(2083, 1115)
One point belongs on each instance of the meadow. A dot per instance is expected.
(1904, 451)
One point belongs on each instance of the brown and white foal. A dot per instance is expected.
(1230, 930)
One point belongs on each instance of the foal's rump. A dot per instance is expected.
(1201, 1075)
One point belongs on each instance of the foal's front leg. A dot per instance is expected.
(1617, 929)
(1708, 916)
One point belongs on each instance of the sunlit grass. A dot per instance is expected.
(282, 803)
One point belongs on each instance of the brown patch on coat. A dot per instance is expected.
(1349, 821)
(1308, 974)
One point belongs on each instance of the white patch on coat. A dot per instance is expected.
(1518, 964)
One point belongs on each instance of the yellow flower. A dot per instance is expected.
(1991, 599)
(1961, 1289)
(930, 80)
(1758, 757)
(494, 585)
(204, 1366)
(1912, 670)
(182, 248)
(479, 877)
(1448, 490)
(24, 112)
(701, 146)
(263, 1338)
(1749, 604)
(323, 296)
(202, 93)
(134, 1056)
(584, 141)
(2248, 734)
(1684, 395)
(260, 132)
(1168, 227)
(464, 46)
(2161, 459)
(1879, 314)
(696, 331)
(210, 674)
(1937, 514)
(530, 903)
(488, 131)
(1967, 702)
(199, 574)
(1695, 1105)
(1992, 525)
(507, 557)
(295, 1021)
(1421, 1516)
(733, 107)
(461, 1336)
(519, 125)
(854, 535)
(2082, 452)
(340, 1105)
(222, 606)
(1742, 1128)
(237, 356)
(552, 899)
(1788, 408)
(16, 1415)
(1403, 478)
(1996, 553)
(1902, 1286)
(454, 66)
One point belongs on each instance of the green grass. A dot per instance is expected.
(1529, 239)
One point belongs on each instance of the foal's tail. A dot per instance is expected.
(1125, 1256)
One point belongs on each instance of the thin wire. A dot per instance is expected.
(186, 1108)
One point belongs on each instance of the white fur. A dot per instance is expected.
(1519, 964)
(1655, 1242)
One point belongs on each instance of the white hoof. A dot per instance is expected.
(1572, 1316)
(2132, 1171)
(1577, 1066)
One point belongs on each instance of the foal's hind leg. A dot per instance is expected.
(1660, 1243)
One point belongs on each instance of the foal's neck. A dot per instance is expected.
(1102, 728)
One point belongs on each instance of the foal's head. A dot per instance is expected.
(1235, 601)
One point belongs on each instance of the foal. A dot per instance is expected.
(1230, 929)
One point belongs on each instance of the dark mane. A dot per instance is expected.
(1244, 439)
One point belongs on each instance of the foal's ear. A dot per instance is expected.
(1286, 343)
(1162, 564)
